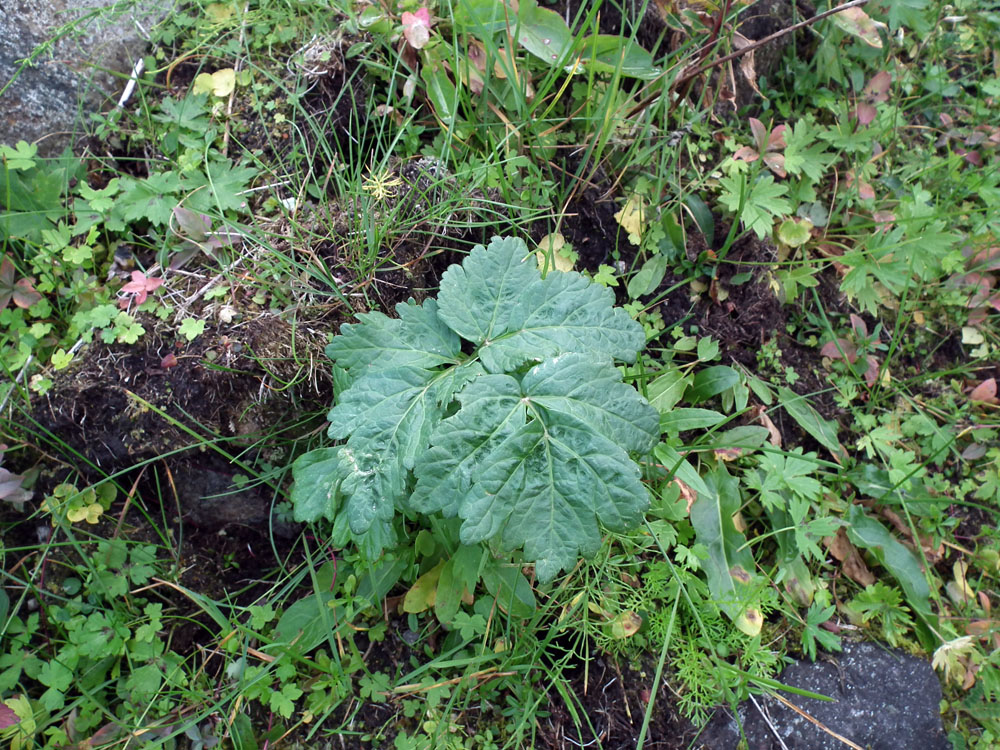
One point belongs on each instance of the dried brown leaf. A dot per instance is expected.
(774, 434)
(850, 559)
(985, 392)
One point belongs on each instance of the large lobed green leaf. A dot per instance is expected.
(542, 461)
(527, 439)
(499, 301)
(387, 417)
(417, 338)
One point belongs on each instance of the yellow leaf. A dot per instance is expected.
(596, 609)
(22, 733)
(632, 218)
(202, 84)
(77, 514)
(625, 625)
(223, 82)
(959, 569)
(219, 12)
(423, 593)
(949, 655)
(750, 622)
(553, 252)
(972, 336)
(220, 83)
(89, 513)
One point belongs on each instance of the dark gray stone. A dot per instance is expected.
(884, 700)
(48, 96)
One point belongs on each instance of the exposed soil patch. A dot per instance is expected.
(649, 29)
(614, 698)
(119, 404)
(590, 225)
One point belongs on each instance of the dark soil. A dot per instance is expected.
(614, 698)
(118, 405)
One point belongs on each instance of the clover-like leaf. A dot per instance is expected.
(138, 288)
(21, 291)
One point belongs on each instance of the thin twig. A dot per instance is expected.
(817, 722)
(685, 77)
(767, 720)
(767, 40)
(137, 70)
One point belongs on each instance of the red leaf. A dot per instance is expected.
(840, 349)
(974, 451)
(776, 163)
(877, 89)
(140, 286)
(759, 134)
(865, 113)
(170, 360)
(983, 285)
(776, 140)
(986, 260)
(976, 317)
(7, 716)
(871, 374)
(24, 294)
(985, 392)
(193, 226)
(884, 219)
(859, 326)
(747, 154)
(865, 190)
(974, 158)
(417, 27)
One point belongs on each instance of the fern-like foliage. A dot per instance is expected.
(524, 432)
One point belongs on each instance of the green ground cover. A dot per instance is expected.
(485, 375)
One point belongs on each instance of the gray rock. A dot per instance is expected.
(47, 98)
(885, 700)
